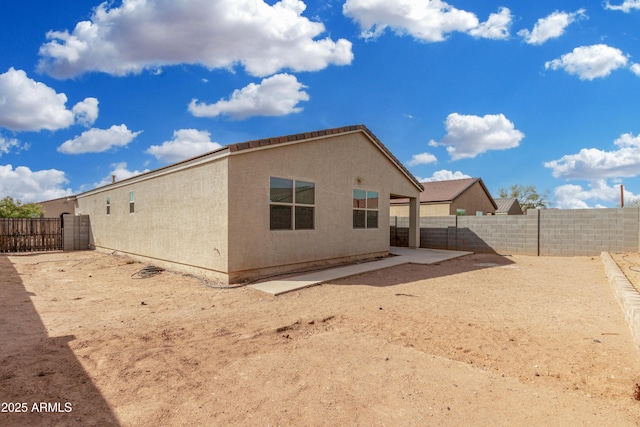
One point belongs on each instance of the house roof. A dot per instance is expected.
(268, 142)
(55, 200)
(446, 191)
(505, 205)
(308, 136)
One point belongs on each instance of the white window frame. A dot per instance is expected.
(366, 209)
(293, 205)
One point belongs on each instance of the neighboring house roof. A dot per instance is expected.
(446, 191)
(506, 205)
(288, 139)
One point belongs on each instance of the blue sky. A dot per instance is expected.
(542, 93)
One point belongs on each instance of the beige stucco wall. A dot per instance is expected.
(472, 200)
(435, 209)
(438, 209)
(336, 165)
(180, 218)
(399, 210)
(55, 208)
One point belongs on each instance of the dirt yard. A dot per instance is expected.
(480, 340)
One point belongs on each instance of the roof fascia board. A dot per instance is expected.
(484, 187)
(166, 170)
(393, 160)
(285, 144)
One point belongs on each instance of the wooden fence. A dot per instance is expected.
(30, 234)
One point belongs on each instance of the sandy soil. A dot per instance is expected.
(480, 340)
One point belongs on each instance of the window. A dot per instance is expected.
(131, 202)
(365, 209)
(291, 204)
(461, 212)
(108, 205)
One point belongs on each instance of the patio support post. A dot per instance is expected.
(414, 223)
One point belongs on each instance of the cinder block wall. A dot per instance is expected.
(76, 233)
(541, 232)
(439, 231)
(501, 234)
(588, 231)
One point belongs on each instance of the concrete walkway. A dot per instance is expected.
(403, 256)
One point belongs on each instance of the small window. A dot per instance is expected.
(280, 217)
(131, 202)
(291, 204)
(305, 193)
(359, 199)
(365, 209)
(108, 206)
(281, 190)
(304, 218)
(359, 218)
(461, 212)
(372, 219)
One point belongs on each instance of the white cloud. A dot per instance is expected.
(635, 68)
(27, 105)
(99, 140)
(590, 62)
(496, 27)
(468, 135)
(422, 159)
(444, 175)
(626, 6)
(8, 144)
(86, 112)
(428, 21)
(277, 95)
(121, 172)
(32, 186)
(551, 27)
(571, 196)
(592, 163)
(186, 143)
(148, 34)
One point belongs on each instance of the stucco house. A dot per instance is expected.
(258, 208)
(468, 196)
(508, 206)
(55, 208)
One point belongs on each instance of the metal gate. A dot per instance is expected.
(30, 234)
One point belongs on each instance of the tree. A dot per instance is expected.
(10, 208)
(527, 196)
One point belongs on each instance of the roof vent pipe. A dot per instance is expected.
(113, 179)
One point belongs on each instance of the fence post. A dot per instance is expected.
(539, 214)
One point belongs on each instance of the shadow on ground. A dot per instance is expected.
(42, 383)
(408, 273)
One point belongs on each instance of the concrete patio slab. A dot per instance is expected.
(401, 256)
